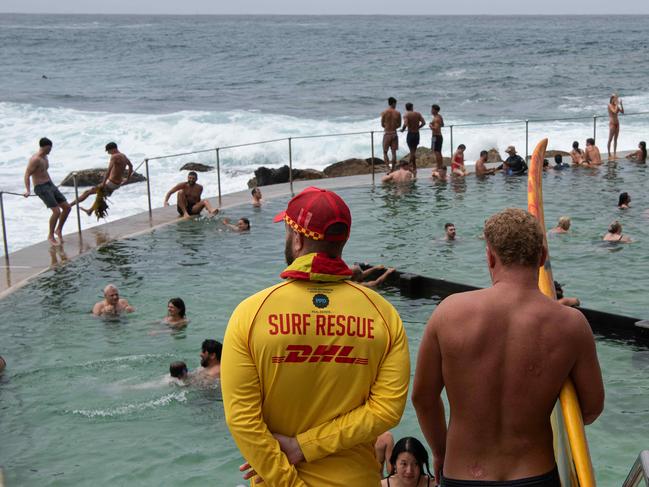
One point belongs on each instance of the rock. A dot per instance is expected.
(551, 153)
(265, 176)
(348, 167)
(494, 155)
(196, 166)
(93, 177)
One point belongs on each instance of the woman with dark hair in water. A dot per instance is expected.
(624, 202)
(408, 459)
(640, 155)
(176, 313)
(577, 154)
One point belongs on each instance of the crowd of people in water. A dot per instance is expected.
(406, 462)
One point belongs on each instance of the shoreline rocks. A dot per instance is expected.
(93, 177)
(197, 166)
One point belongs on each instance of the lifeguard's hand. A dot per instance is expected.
(250, 473)
(291, 448)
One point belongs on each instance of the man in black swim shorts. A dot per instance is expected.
(412, 121)
(436, 125)
(37, 170)
(189, 201)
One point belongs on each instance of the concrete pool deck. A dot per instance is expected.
(19, 268)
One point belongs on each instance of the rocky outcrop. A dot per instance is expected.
(196, 166)
(265, 176)
(426, 158)
(494, 155)
(349, 167)
(93, 177)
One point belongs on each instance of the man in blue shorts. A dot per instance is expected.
(47, 191)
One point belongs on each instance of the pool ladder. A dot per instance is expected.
(639, 474)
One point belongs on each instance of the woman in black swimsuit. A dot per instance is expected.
(408, 459)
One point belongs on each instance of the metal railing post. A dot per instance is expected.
(76, 196)
(527, 139)
(148, 184)
(451, 143)
(290, 166)
(372, 145)
(595, 127)
(218, 173)
(4, 228)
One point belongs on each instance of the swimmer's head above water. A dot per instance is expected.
(178, 370)
(3, 364)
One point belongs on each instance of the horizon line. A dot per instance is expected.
(336, 14)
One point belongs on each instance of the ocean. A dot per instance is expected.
(167, 84)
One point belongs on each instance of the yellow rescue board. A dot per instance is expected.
(570, 444)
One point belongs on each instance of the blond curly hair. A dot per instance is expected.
(515, 236)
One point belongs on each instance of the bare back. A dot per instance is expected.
(592, 155)
(505, 354)
(391, 120)
(117, 167)
(413, 121)
(437, 124)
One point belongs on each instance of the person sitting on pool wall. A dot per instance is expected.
(112, 304)
(640, 155)
(189, 202)
(318, 358)
(489, 349)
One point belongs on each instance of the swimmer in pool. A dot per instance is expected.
(449, 229)
(563, 226)
(624, 201)
(210, 363)
(614, 234)
(403, 175)
(178, 370)
(112, 304)
(577, 154)
(176, 313)
(3, 364)
(359, 275)
(481, 168)
(565, 300)
(256, 197)
(243, 225)
(408, 459)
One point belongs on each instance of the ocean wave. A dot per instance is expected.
(127, 409)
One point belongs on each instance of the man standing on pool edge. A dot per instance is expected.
(503, 354)
(316, 367)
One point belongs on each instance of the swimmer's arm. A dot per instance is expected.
(387, 178)
(31, 169)
(422, 121)
(97, 309)
(427, 389)
(586, 373)
(368, 271)
(383, 119)
(381, 411)
(379, 280)
(129, 165)
(173, 190)
(125, 306)
(242, 401)
(405, 122)
(111, 166)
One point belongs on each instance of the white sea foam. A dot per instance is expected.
(79, 138)
(133, 408)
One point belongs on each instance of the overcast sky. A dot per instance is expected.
(385, 7)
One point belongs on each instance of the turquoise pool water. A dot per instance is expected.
(82, 399)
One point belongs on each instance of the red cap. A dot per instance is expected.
(313, 211)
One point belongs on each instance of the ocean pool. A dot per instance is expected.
(81, 400)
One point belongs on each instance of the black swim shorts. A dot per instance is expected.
(50, 194)
(412, 140)
(550, 479)
(436, 143)
(190, 206)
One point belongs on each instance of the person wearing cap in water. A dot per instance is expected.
(315, 367)
(514, 165)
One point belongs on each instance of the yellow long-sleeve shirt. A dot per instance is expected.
(326, 362)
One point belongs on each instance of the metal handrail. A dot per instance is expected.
(290, 141)
(639, 472)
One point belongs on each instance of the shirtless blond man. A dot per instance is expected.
(113, 179)
(189, 202)
(412, 121)
(480, 165)
(390, 121)
(437, 140)
(403, 175)
(592, 156)
(112, 304)
(615, 107)
(503, 354)
(44, 188)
